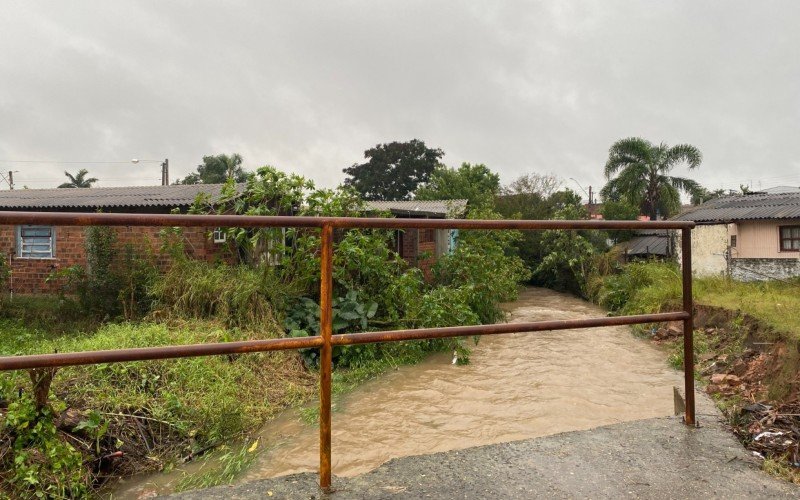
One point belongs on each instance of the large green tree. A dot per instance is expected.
(79, 180)
(638, 172)
(475, 183)
(393, 171)
(216, 170)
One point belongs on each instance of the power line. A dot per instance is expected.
(55, 162)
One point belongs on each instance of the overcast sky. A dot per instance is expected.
(308, 86)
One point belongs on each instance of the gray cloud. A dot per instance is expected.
(307, 86)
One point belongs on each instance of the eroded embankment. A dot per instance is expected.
(754, 374)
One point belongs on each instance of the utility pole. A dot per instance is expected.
(165, 173)
(10, 179)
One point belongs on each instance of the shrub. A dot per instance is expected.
(5, 270)
(35, 461)
(481, 266)
(115, 279)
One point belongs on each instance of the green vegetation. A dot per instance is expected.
(774, 303)
(645, 287)
(393, 171)
(216, 170)
(78, 180)
(475, 183)
(99, 420)
(638, 172)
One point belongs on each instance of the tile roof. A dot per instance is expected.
(745, 207)
(106, 197)
(438, 207)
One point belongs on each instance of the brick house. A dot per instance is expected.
(749, 237)
(421, 247)
(34, 252)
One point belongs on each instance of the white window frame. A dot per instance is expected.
(36, 254)
(219, 235)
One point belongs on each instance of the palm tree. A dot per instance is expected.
(642, 175)
(79, 180)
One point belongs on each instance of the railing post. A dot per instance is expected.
(326, 355)
(688, 325)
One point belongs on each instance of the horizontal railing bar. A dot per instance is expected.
(150, 353)
(496, 329)
(192, 220)
(194, 350)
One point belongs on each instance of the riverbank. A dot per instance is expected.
(747, 350)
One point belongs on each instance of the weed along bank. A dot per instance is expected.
(36, 253)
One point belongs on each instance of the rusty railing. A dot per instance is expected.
(326, 340)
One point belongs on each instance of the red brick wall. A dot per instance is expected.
(413, 250)
(426, 249)
(30, 275)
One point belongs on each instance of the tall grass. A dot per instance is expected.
(648, 287)
(641, 288)
(774, 303)
(242, 296)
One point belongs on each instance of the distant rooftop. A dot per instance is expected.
(781, 190)
(745, 207)
(177, 195)
(439, 207)
(106, 197)
(649, 242)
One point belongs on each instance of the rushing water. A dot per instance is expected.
(516, 386)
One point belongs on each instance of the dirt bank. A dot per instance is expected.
(753, 372)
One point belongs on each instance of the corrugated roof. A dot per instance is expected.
(648, 245)
(781, 189)
(106, 197)
(437, 207)
(745, 207)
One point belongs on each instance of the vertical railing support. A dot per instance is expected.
(688, 325)
(326, 355)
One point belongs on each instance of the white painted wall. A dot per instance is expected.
(709, 247)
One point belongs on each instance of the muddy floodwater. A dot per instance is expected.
(516, 386)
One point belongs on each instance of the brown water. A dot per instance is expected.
(516, 386)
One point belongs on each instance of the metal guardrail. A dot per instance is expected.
(326, 340)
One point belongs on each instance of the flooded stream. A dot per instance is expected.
(516, 386)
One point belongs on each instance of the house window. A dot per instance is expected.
(36, 242)
(220, 236)
(790, 238)
(733, 241)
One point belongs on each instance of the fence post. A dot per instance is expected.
(688, 325)
(326, 354)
